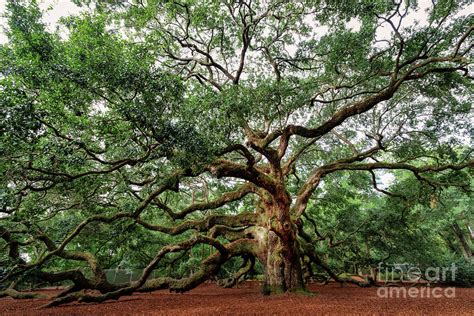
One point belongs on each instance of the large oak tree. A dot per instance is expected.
(217, 123)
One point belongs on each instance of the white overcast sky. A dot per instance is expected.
(58, 9)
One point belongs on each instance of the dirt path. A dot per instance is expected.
(210, 299)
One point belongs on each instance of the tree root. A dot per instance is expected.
(21, 295)
(246, 267)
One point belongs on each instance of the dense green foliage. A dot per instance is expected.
(139, 126)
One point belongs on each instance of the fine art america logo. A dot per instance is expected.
(405, 273)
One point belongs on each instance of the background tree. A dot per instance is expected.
(163, 132)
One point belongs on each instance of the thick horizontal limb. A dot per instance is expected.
(209, 267)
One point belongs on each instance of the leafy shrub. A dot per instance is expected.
(464, 275)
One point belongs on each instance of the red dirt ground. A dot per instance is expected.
(209, 299)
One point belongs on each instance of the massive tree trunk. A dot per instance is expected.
(283, 270)
(281, 254)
